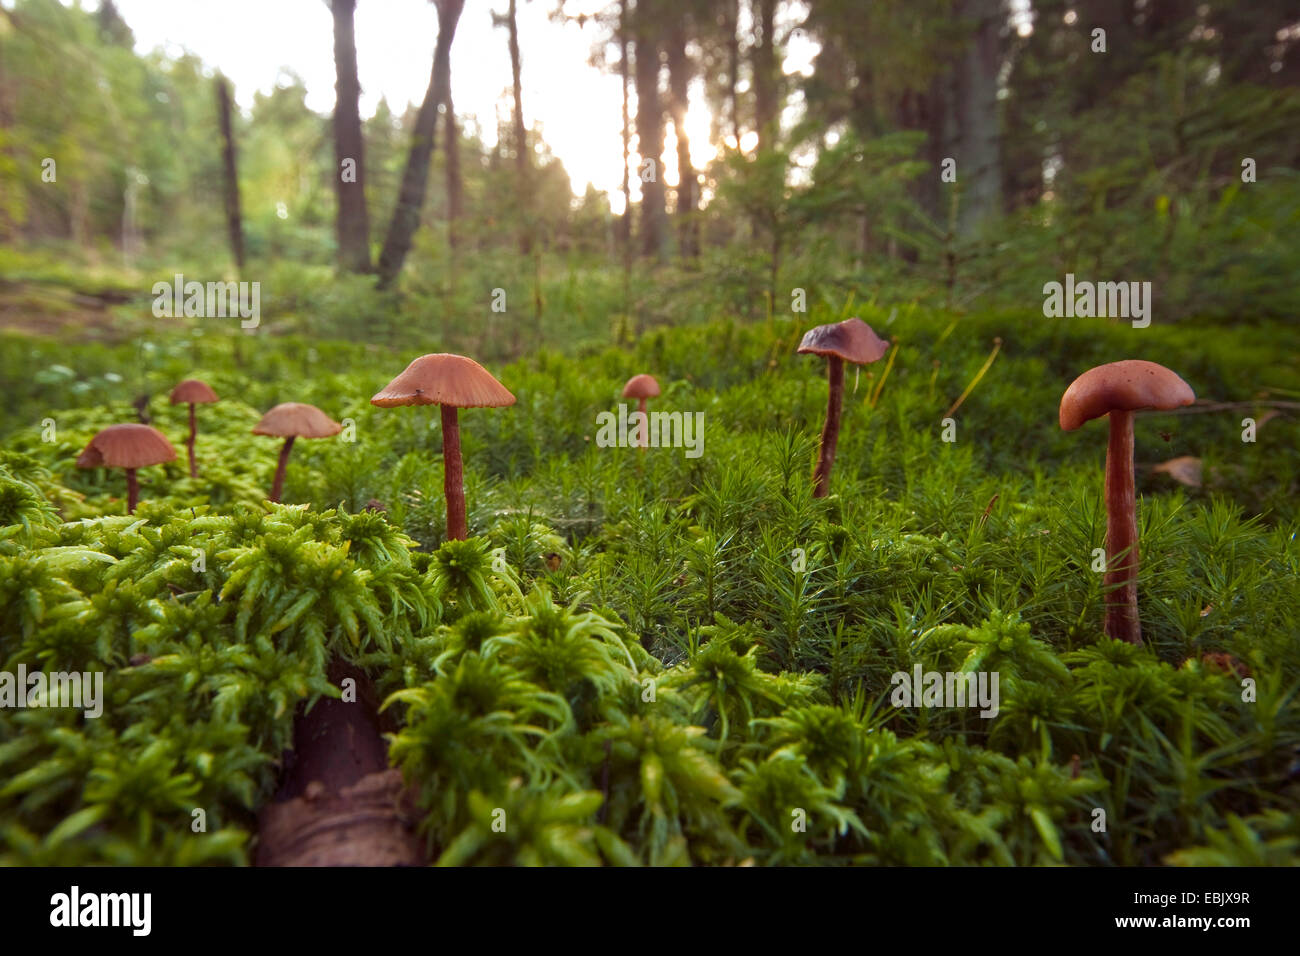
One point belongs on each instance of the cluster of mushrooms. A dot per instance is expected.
(453, 382)
(132, 446)
(1115, 390)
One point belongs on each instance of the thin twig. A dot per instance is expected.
(1222, 406)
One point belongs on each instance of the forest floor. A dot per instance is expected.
(654, 657)
(57, 312)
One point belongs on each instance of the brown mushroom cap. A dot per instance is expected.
(641, 386)
(444, 379)
(852, 340)
(127, 446)
(297, 420)
(1122, 386)
(193, 392)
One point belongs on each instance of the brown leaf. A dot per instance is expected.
(1185, 469)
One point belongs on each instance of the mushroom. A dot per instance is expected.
(289, 421)
(452, 381)
(193, 392)
(849, 341)
(1118, 390)
(130, 447)
(642, 387)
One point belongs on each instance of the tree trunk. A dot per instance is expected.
(410, 199)
(8, 221)
(625, 225)
(338, 802)
(687, 186)
(979, 167)
(650, 132)
(733, 67)
(521, 138)
(455, 183)
(352, 225)
(234, 221)
(763, 59)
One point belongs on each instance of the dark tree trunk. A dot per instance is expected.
(976, 110)
(234, 221)
(410, 199)
(687, 186)
(733, 67)
(1248, 40)
(924, 110)
(625, 225)
(455, 184)
(352, 225)
(763, 59)
(650, 132)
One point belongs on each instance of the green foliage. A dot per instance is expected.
(204, 664)
(627, 659)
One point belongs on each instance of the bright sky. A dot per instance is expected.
(577, 107)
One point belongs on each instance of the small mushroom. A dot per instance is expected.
(849, 341)
(127, 446)
(193, 392)
(1117, 390)
(642, 387)
(453, 382)
(289, 421)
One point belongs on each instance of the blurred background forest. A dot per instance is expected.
(1162, 149)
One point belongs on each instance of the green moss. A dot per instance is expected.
(700, 632)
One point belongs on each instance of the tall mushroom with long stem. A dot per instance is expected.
(1117, 390)
(193, 392)
(453, 382)
(642, 387)
(128, 446)
(289, 421)
(849, 341)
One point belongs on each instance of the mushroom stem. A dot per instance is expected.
(831, 429)
(1121, 533)
(453, 481)
(277, 486)
(645, 418)
(132, 491)
(194, 467)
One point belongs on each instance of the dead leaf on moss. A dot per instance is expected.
(1185, 469)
